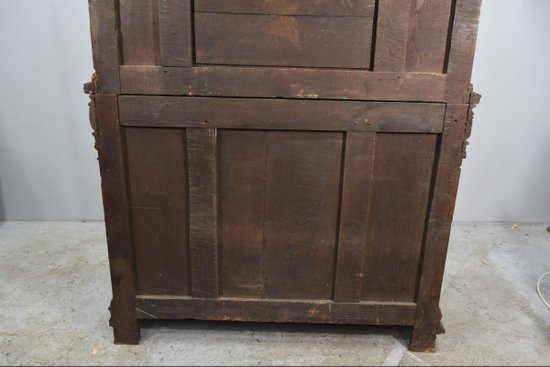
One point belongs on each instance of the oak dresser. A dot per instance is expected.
(281, 160)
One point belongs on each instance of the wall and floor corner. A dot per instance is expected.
(48, 167)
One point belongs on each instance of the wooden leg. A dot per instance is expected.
(125, 327)
(117, 220)
(424, 332)
(129, 334)
(428, 314)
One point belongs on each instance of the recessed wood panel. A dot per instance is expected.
(242, 209)
(340, 8)
(139, 32)
(268, 40)
(279, 209)
(428, 35)
(397, 215)
(158, 207)
(412, 35)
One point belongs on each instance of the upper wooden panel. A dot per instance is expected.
(281, 40)
(397, 35)
(418, 39)
(335, 8)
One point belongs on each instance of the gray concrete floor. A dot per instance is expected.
(54, 292)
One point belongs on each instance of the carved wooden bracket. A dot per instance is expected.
(475, 98)
(90, 89)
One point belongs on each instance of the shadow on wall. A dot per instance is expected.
(2, 210)
(529, 201)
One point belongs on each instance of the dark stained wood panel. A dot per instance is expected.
(397, 215)
(203, 211)
(306, 41)
(175, 32)
(105, 42)
(279, 213)
(356, 189)
(278, 114)
(392, 34)
(158, 205)
(337, 8)
(138, 27)
(273, 310)
(301, 213)
(462, 51)
(242, 195)
(428, 35)
(234, 81)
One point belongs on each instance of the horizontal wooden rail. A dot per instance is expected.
(278, 114)
(270, 82)
(243, 309)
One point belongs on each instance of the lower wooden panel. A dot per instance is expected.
(279, 212)
(239, 309)
(402, 178)
(157, 171)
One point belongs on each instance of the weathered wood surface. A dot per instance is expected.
(117, 221)
(158, 206)
(243, 309)
(175, 32)
(308, 41)
(357, 180)
(203, 211)
(284, 161)
(334, 8)
(105, 43)
(227, 81)
(270, 114)
(438, 228)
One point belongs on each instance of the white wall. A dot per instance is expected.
(507, 174)
(48, 167)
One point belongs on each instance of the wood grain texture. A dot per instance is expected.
(397, 213)
(239, 309)
(105, 45)
(244, 39)
(356, 188)
(235, 81)
(335, 8)
(203, 211)
(428, 35)
(242, 197)
(175, 32)
(279, 217)
(438, 229)
(462, 51)
(157, 172)
(301, 213)
(392, 35)
(117, 221)
(137, 26)
(281, 114)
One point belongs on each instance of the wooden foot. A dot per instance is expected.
(424, 333)
(127, 335)
(422, 341)
(125, 326)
